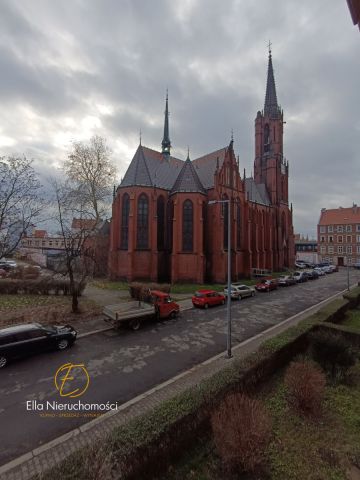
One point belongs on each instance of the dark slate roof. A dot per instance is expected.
(152, 168)
(188, 180)
(205, 166)
(256, 192)
(271, 107)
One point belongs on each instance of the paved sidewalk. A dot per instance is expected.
(50, 454)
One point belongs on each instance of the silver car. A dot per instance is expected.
(240, 291)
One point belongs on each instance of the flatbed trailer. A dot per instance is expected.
(133, 313)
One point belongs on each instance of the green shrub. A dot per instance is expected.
(332, 352)
(241, 428)
(306, 386)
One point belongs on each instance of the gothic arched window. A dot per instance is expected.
(160, 212)
(225, 212)
(125, 209)
(266, 138)
(238, 226)
(142, 222)
(188, 226)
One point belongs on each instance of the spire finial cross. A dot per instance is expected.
(232, 135)
(269, 47)
(140, 132)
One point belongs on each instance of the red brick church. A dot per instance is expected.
(164, 229)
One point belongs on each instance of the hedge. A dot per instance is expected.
(42, 286)
(146, 445)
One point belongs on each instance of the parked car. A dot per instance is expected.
(319, 271)
(207, 298)
(266, 285)
(357, 265)
(300, 264)
(334, 268)
(300, 277)
(239, 291)
(312, 274)
(23, 340)
(286, 280)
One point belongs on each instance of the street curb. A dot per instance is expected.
(87, 426)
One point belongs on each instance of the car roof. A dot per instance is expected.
(206, 291)
(239, 285)
(19, 328)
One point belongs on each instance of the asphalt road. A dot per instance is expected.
(124, 364)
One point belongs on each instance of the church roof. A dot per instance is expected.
(256, 192)
(152, 168)
(188, 180)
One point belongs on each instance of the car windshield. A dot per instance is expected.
(199, 295)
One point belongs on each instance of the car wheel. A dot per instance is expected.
(3, 362)
(206, 305)
(173, 314)
(135, 324)
(239, 298)
(63, 344)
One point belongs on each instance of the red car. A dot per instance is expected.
(266, 285)
(207, 298)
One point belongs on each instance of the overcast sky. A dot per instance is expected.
(72, 69)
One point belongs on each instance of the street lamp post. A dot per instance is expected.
(228, 310)
(348, 273)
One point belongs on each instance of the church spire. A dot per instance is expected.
(166, 144)
(271, 107)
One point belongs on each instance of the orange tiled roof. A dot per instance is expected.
(339, 216)
(39, 233)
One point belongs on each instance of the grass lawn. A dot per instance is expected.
(11, 302)
(352, 319)
(323, 448)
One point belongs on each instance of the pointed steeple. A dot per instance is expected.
(166, 144)
(271, 107)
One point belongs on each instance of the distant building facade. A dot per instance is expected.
(306, 249)
(339, 235)
(164, 229)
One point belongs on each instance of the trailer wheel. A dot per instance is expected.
(135, 324)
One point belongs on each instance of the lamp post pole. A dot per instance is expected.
(348, 274)
(228, 309)
(229, 354)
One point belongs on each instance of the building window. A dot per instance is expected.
(160, 223)
(358, 228)
(322, 229)
(143, 222)
(340, 228)
(357, 238)
(348, 238)
(322, 249)
(330, 249)
(322, 239)
(340, 249)
(238, 227)
(339, 238)
(330, 229)
(349, 249)
(358, 249)
(330, 239)
(349, 228)
(125, 222)
(188, 226)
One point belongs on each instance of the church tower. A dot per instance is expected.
(270, 166)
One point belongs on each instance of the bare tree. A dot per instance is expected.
(20, 202)
(79, 251)
(90, 168)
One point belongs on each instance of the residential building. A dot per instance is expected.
(339, 235)
(164, 228)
